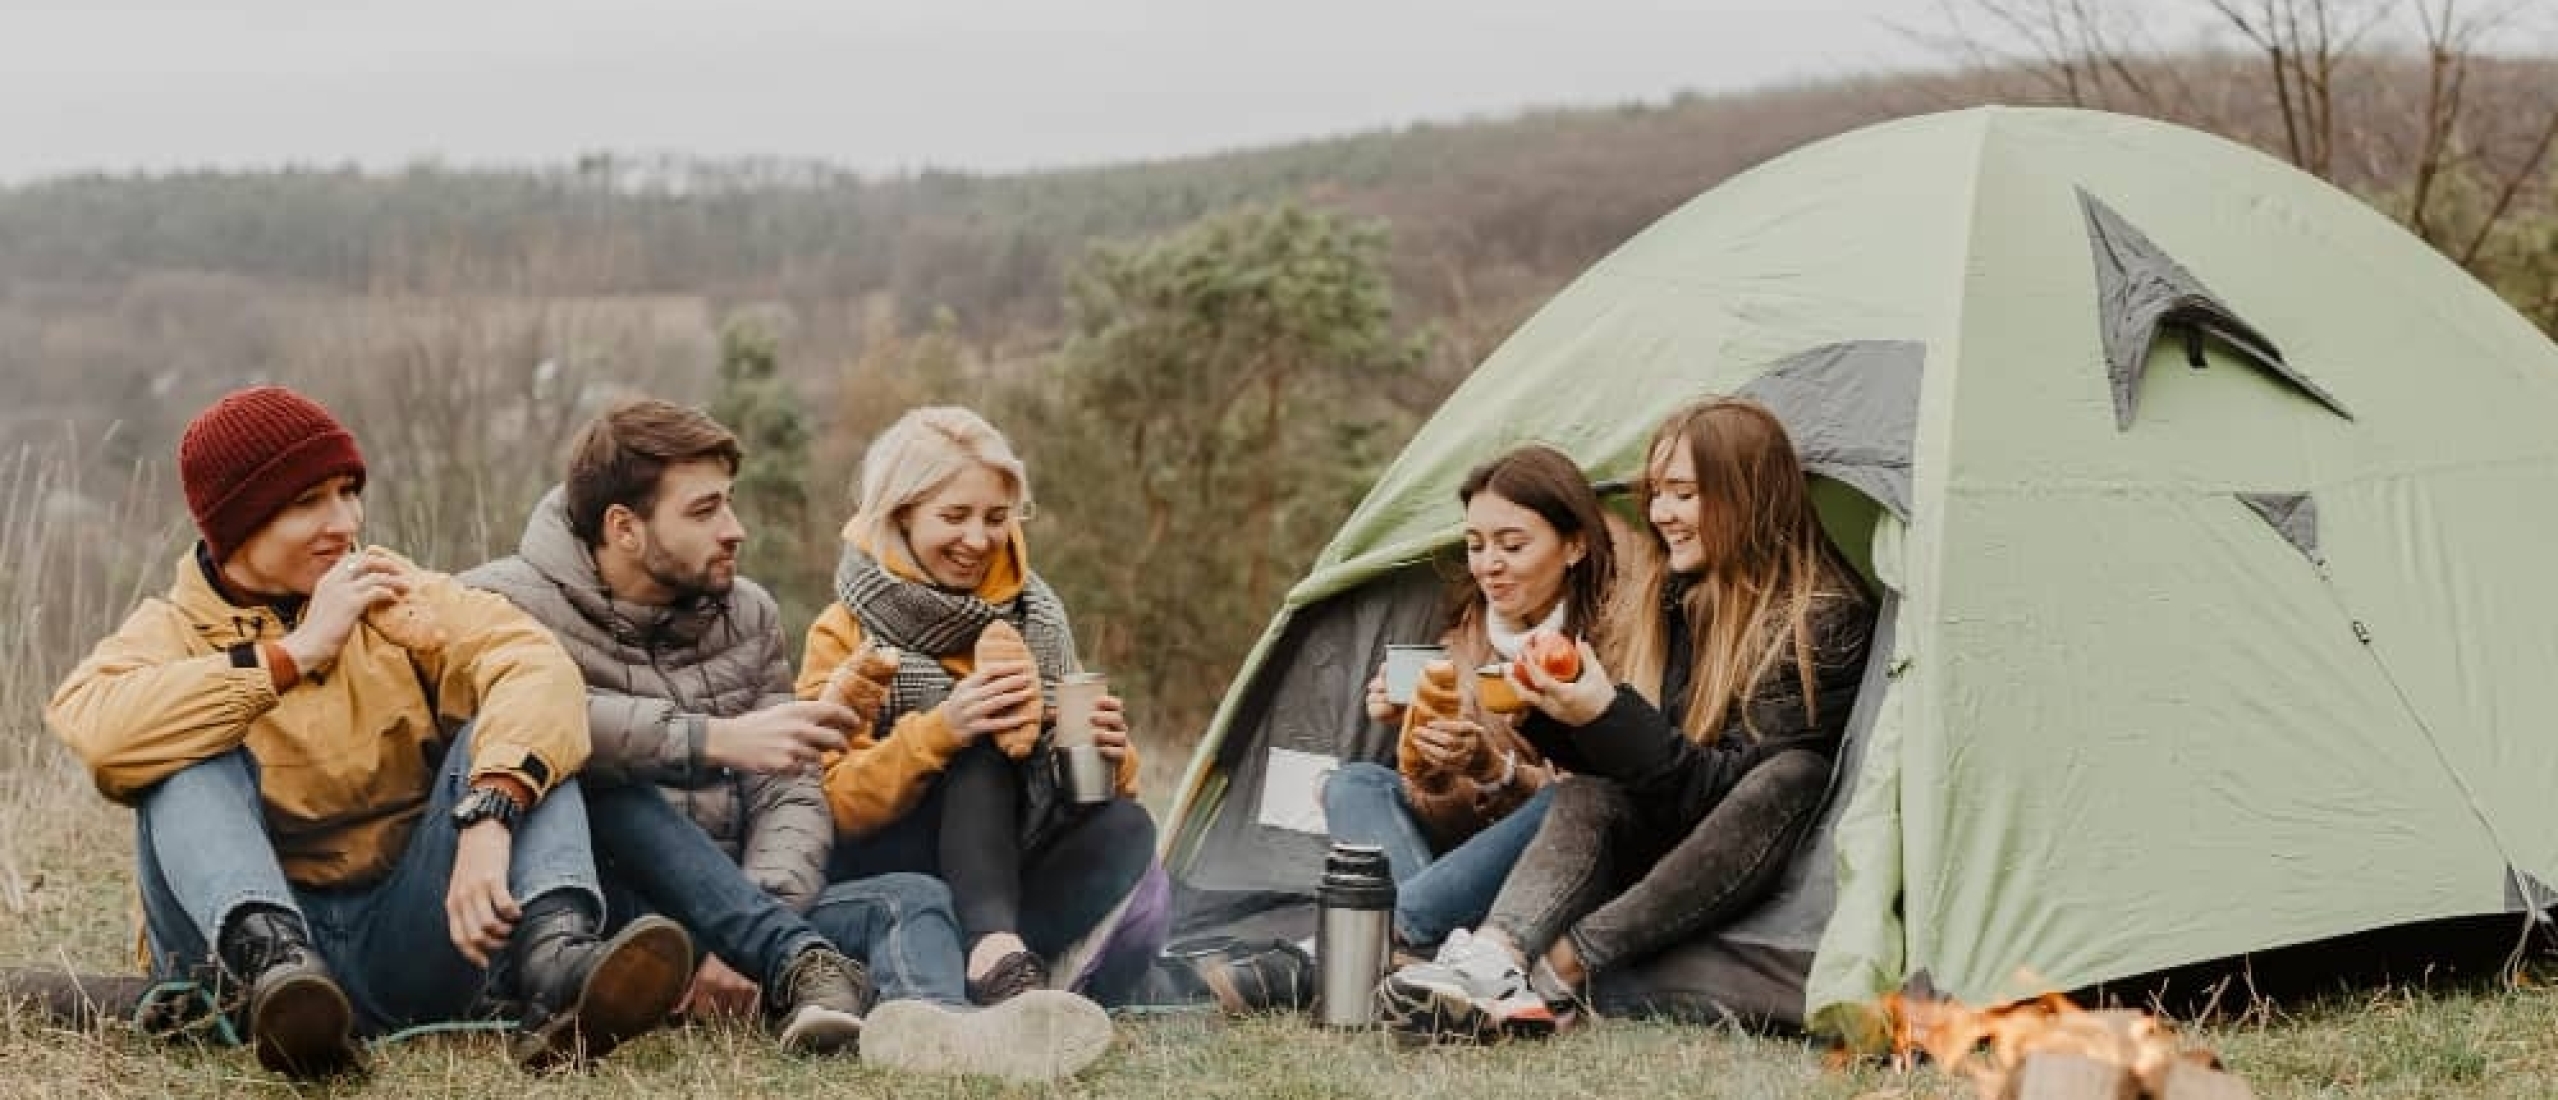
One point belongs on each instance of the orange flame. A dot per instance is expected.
(1988, 1046)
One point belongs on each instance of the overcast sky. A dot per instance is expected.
(872, 84)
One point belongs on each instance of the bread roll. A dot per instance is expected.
(861, 682)
(1434, 696)
(1001, 643)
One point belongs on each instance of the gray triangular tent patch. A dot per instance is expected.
(1852, 409)
(2142, 291)
(2527, 894)
(2293, 514)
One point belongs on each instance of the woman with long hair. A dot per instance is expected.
(1696, 774)
(1468, 791)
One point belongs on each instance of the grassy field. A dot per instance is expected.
(65, 877)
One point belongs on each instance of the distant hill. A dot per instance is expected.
(119, 293)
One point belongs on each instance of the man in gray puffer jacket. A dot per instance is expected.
(703, 760)
(661, 678)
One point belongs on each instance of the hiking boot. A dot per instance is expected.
(1472, 992)
(1011, 976)
(816, 1002)
(1034, 1035)
(300, 1023)
(1241, 977)
(584, 996)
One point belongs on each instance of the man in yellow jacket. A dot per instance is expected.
(361, 834)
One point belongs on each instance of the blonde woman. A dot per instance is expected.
(947, 781)
(1741, 644)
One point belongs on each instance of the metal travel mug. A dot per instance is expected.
(1354, 936)
(1083, 771)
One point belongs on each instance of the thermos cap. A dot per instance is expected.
(1356, 876)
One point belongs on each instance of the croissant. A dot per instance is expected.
(998, 643)
(1434, 696)
(861, 682)
(407, 623)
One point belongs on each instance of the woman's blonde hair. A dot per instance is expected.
(918, 455)
(1767, 564)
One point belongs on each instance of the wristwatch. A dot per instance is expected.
(486, 804)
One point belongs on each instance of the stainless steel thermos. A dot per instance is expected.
(1354, 936)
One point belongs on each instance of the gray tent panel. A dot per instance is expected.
(2141, 291)
(2293, 514)
(1710, 981)
(1796, 914)
(2527, 894)
(1852, 409)
(1313, 705)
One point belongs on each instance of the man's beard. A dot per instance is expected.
(687, 584)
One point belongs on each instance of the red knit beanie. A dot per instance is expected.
(250, 454)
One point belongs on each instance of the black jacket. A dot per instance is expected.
(1678, 781)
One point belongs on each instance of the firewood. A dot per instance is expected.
(2054, 1076)
(2189, 1081)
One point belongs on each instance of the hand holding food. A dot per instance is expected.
(860, 684)
(1576, 701)
(345, 595)
(1448, 744)
(406, 621)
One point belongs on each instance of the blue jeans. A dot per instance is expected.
(203, 852)
(899, 924)
(657, 860)
(1435, 893)
(1051, 897)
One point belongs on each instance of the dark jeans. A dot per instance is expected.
(966, 832)
(1622, 885)
(203, 852)
(1435, 892)
(655, 859)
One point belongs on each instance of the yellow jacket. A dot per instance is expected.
(345, 758)
(877, 780)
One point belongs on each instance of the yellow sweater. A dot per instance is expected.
(877, 780)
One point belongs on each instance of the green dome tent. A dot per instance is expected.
(2212, 510)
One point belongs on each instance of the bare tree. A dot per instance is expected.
(2406, 102)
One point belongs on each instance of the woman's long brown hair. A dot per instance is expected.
(1767, 566)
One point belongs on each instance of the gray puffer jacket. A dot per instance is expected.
(655, 676)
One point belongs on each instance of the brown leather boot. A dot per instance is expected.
(300, 1023)
(584, 996)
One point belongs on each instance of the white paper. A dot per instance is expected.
(1292, 790)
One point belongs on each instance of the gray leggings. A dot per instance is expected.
(1622, 886)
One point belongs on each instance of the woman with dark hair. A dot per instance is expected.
(1467, 790)
(1696, 775)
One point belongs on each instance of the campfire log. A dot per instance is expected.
(2189, 1081)
(2055, 1076)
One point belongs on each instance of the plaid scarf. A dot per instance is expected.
(927, 623)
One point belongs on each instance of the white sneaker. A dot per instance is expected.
(1037, 1035)
(1472, 992)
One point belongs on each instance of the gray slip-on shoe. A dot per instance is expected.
(1037, 1035)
